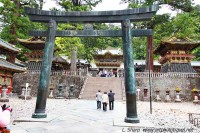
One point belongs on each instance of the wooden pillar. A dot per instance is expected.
(131, 106)
(149, 54)
(45, 72)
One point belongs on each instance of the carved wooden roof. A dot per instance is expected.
(33, 43)
(176, 44)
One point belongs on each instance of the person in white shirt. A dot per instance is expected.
(105, 101)
(99, 99)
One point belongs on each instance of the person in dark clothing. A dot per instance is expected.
(111, 100)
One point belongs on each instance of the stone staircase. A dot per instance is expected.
(93, 84)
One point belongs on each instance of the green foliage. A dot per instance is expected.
(78, 5)
(139, 48)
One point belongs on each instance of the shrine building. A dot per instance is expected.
(36, 46)
(109, 60)
(175, 55)
(8, 66)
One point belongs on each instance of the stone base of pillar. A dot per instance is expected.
(196, 101)
(27, 97)
(4, 100)
(146, 99)
(51, 97)
(39, 115)
(59, 97)
(167, 98)
(131, 120)
(71, 97)
(178, 100)
(158, 99)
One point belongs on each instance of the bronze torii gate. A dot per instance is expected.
(122, 16)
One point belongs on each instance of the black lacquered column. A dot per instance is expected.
(131, 108)
(45, 72)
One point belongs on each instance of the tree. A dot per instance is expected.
(15, 23)
(184, 5)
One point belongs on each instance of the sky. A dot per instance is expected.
(107, 5)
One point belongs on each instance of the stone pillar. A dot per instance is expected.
(73, 60)
(45, 72)
(131, 108)
(3, 94)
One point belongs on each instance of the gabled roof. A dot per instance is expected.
(8, 46)
(10, 66)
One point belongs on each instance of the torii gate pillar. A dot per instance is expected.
(131, 108)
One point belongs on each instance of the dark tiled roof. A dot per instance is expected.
(59, 59)
(8, 46)
(178, 67)
(8, 65)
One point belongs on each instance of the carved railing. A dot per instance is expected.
(137, 74)
(166, 75)
(67, 73)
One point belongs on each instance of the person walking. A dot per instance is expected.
(111, 100)
(105, 101)
(99, 99)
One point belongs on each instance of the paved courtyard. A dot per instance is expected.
(81, 116)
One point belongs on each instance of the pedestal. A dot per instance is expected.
(39, 115)
(177, 97)
(158, 98)
(60, 92)
(195, 99)
(167, 98)
(51, 93)
(3, 95)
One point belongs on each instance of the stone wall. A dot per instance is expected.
(162, 84)
(33, 80)
(186, 84)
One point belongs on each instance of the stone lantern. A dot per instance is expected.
(60, 91)
(177, 90)
(195, 94)
(51, 91)
(167, 97)
(3, 94)
(158, 95)
(145, 94)
(71, 91)
(26, 91)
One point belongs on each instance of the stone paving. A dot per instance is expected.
(81, 116)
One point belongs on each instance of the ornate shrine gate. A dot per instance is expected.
(121, 16)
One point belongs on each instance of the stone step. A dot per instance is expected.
(105, 84)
